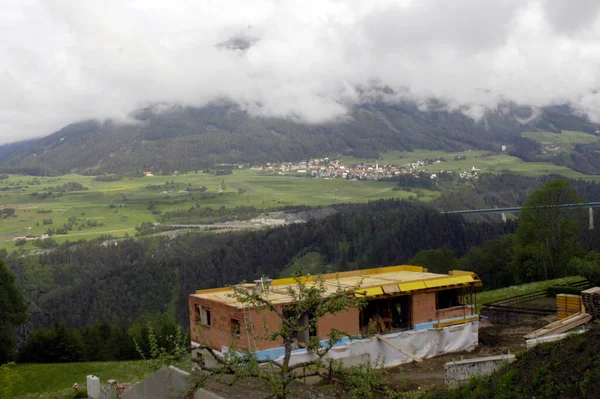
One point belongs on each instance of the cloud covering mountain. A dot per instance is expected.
(310, 61)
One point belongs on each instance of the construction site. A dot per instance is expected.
(422, 327)
(410, 313)
(425, 325)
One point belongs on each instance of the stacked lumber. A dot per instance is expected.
(561, 326)
(591, 301)
(567, 305)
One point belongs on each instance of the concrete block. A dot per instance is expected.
(460, 371)
(93, 386)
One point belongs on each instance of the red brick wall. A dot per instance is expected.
(423, 307)
(220, 332)
(457, 311)
(260, 320)
(347, 321)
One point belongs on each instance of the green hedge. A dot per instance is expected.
(557, 289)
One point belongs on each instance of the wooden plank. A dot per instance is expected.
(568, 327)
(390, 343)
(592, 290)
(555, 324)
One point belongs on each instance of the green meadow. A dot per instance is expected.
(115, 208)
(27, 381)
(503, 293)
(481, 161)
(564, 138)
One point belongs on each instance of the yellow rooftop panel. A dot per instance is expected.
(447, 281)
(374, 282)
(412, 286)
(369, 292)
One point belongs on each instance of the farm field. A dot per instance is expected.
(480, 160)
(564, 138)
(115, 208)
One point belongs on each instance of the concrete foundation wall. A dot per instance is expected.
(167, 383)
(460, 371)
(509, 316)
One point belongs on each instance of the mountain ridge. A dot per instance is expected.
(187, 138)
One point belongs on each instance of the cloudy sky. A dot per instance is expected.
(66, 60)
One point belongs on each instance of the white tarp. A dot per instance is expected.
(407, 345)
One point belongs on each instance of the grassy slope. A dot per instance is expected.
(260, 191)
(566, 137)
(56, 380)
(564, 369)
(494, 295)
(499, 163)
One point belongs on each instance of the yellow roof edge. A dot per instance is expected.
(365, 272)
(353, 273)
(461, 280)
(209, 290)
(462, 272)
(369, 292)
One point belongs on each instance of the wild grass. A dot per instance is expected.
(117, 207)
(502, 293)
(479, 161)
(564, 137)
(56, 380)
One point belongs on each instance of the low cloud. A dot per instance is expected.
(61, 62)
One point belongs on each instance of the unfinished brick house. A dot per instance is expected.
(399, 299)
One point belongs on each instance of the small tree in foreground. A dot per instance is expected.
(13, 312)
(311, 300)
(548, 235)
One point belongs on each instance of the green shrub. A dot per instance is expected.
(557, 289)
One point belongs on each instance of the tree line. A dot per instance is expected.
(76, 286)
(550, 242)
(88, 282)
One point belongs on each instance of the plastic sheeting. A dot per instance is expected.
(407, 345)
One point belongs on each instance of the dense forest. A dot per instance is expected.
(184, 138)
(69, 289)
(81, 284)
(502, 190)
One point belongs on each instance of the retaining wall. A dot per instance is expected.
(460, 371)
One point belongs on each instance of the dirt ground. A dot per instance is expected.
(493, 340)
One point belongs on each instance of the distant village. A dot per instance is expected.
(326, 168)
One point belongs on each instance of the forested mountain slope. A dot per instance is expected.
(502, 191)
(120, 283)
(184, 138)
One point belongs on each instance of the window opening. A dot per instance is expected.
(235, 327)
(388, 314)
(203, 315)
(449, 298)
